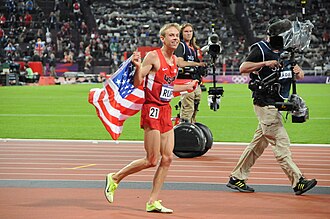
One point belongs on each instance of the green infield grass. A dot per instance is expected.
(63, 112)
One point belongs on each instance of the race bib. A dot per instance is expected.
(167, 93)
(285, 74)
(154, 112)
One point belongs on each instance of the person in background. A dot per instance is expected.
(262, 62)
(52, 65)
(187, 53)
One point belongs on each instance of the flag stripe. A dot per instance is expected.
(111, 123)
(129, 104)
(118, 99)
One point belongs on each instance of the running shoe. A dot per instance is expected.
(304, 185)
(157, 207)
(239, 185)
(110, 187)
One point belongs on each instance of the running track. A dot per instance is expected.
(65, 179)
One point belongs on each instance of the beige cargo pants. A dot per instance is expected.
(188, 111)
(270, 131)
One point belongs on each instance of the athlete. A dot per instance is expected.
(158, 71)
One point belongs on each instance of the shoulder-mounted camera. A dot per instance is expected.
(268, 85)
(196, 73)
(296, 106)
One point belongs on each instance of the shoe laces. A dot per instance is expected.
(113, 186)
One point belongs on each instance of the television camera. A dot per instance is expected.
(296, 36)
(214, 49)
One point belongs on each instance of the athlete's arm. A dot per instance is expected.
(185, 87)
(143, 68)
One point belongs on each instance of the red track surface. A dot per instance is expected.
(68, 160)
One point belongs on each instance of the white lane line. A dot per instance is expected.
(174, 165)
(135, 142)
(124, 161)
(213, 151)
(119, 159)
(129, 158)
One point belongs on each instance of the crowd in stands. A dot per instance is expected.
(29, 34)
(258, 12)
(61, 31)
(125, 26)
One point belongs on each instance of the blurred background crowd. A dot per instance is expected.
(103, 32)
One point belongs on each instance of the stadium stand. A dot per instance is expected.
(96, 36)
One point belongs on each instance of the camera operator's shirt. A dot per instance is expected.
(261, 51)
(188, 54)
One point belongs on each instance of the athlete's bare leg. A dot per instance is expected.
(166, 151)
(152, 148)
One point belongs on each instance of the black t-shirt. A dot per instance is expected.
(179, 52)
(254, 55)
(188, 54)
(260, 98)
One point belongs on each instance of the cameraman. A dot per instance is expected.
(261, 62)
(188, 62)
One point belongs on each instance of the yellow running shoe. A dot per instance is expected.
(158, 207)
(110, 187)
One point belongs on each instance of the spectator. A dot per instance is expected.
(76, 9)
(52, 65)
(30, 76)
(84, 31)
(3, 20)
(27, 19)
(68, 57)
(29, 6)
(48, 37)
(52, 21)
(10, 49)
(39, 47)
(1, 32)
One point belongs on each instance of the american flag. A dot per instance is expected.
(118, 99)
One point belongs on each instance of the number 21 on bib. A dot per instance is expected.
(154, 112)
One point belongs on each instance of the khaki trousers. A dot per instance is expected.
(188, 111)
(270, 131)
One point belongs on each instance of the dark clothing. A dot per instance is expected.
(188, 54)
(52, 63)
(189, 101)
(279, 79)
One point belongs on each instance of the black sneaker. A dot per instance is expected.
(239, 185)
(304, 185)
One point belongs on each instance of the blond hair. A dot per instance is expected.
(167, 26)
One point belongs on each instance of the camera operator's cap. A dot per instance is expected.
(278, 26)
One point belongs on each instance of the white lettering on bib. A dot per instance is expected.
(167, 93)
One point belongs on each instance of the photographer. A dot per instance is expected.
(189, 64)
(263, 61)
